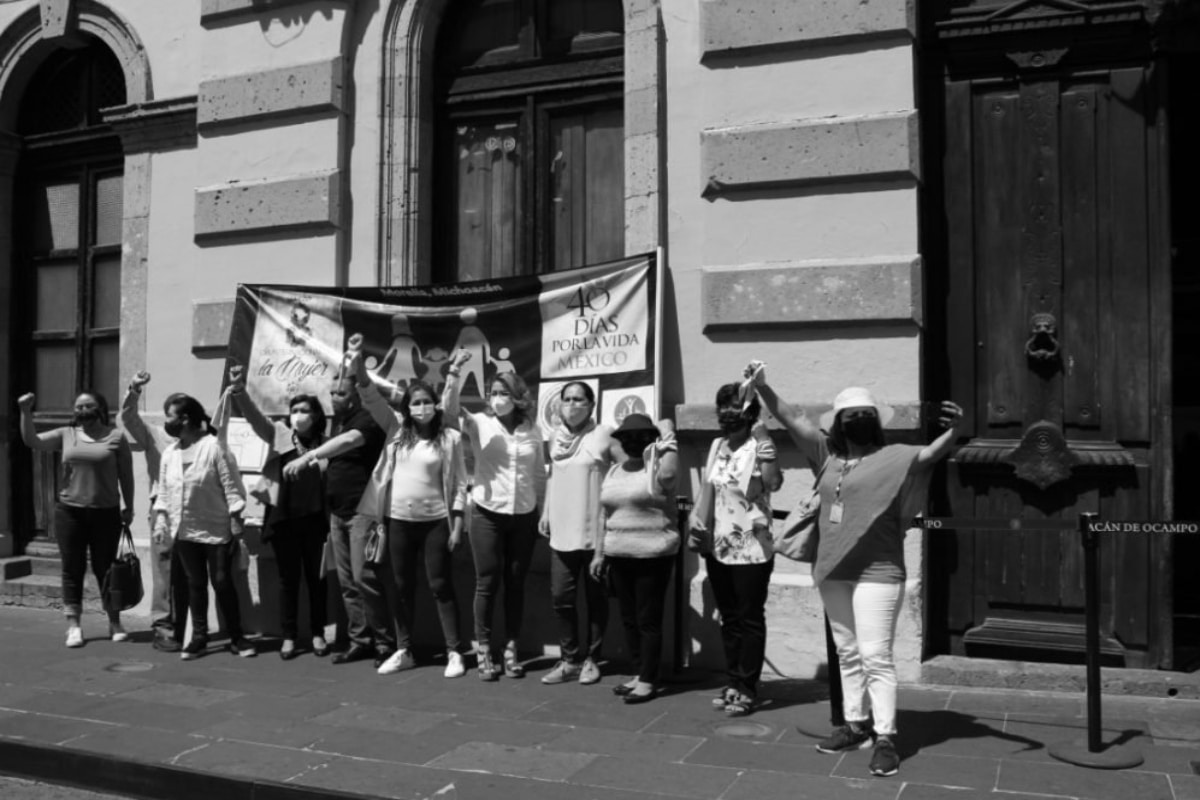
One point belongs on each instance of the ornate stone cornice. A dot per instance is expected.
(1032, 15)
(156, 125)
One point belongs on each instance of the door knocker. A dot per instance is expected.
(1042, 346)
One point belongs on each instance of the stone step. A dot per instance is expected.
(44, 591)
(42, 548)
(16, 567)
(40, 565)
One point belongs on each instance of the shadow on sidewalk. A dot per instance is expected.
(927, 729)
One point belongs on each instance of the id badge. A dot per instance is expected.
(835, 513)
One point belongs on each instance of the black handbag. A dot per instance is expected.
(122, 588)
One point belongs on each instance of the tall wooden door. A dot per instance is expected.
(1057, 320)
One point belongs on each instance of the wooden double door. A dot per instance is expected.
(1055, 317)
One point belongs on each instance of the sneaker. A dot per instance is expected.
(590, 673)
(195, 648)
(885, 761)
(454, 665)
(399, 660)
(845, 738)
(243, 648)
(563, 671)
(117, 633)
(74, 636)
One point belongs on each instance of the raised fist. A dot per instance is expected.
(140, 379)
(25, 401)
(461, 356)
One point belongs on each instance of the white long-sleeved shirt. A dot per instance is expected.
(198, 501)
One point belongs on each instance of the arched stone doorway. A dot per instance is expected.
(64, 202)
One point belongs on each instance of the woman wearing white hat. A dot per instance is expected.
(869, 490)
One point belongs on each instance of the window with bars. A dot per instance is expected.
(69, 223)
(530, 166)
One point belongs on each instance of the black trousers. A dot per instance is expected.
(202, 563)
(406, 541)
(299, 545)
(169, 593)
(641, 585)
(81, 531)
(569, 568)
(740, 591)
(502, 546)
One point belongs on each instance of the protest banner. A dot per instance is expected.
(598, 324)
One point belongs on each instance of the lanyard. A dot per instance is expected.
(847, 467)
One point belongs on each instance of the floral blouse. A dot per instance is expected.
(742, 506)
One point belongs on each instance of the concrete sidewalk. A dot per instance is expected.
(128, 719)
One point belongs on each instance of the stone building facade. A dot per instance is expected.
(774, 149)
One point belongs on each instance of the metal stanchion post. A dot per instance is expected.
(683, 508)
(1095, 754)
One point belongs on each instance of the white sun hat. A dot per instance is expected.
(856, 397)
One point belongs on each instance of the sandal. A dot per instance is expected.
(739, 705)
(725, 697)
(512, 667)
(487, 669)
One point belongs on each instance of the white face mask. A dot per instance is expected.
(302, 422)
(422, 413)
(502, 405)
(574, 414)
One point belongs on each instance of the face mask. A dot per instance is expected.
(502, 405)
(730, 421)
(860, 430)
(86, 417)
(302, 422)
(173, 427)
(575, 413)
(635, 447)
(422, 413)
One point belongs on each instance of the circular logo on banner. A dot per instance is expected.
(630, 404)
(550, 410)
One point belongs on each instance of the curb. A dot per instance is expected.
(139, 779)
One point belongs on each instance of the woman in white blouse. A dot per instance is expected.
(199, 505)
(509, 482)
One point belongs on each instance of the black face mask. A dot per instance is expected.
(731, 421)
(860, 430)
(86, 417)
(173, 427)
(634, 446)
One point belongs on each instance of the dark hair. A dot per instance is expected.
(408, 428)
(101, 403)
(172, 399)
(836, 438)
(318, 412)
(186, 405)
(587, 391)
(727, 396)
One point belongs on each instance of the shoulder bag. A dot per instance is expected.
(801, 533)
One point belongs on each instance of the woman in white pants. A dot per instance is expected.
(869, 492)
